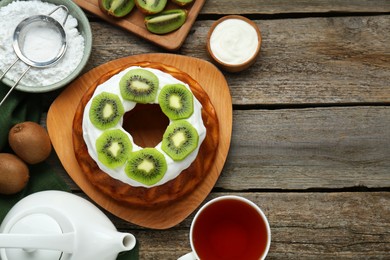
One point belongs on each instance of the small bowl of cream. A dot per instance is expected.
(233, 42)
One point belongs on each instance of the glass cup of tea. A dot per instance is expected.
(229, 227)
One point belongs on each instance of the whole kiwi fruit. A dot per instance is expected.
(14, 174)
(30, 142)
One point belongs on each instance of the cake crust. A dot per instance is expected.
(166, 193)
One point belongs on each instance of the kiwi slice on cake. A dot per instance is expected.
(179, 140)
(147, 166)
(113, 148)
(116, 8)
(166, 21)
(151, 6)
(106, 110)
(176, 101)
(139, 85)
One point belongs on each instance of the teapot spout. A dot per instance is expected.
(104, 244)
(120, 241)
(127, 241)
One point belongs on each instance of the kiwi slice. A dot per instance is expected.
(166, 21)
(151, 6)
(106, 110)
(139, 85)
(182, 2)
(179, 140)
(116, 8)
(113, 148)
(147, 166)
(176, 101)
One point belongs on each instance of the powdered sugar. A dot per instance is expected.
(10, 16)
(42, 43)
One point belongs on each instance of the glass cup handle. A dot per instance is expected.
(189, 256)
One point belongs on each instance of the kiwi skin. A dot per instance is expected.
(30, 141)
(14, 174)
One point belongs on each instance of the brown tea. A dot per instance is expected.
(229, 229)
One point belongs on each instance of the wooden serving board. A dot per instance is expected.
(134, 22)
(60, 120)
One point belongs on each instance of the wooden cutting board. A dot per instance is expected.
(134, 22)
(60, 120)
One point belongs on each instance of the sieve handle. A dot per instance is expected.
(5, 72)
(16, 83)
(66, 11)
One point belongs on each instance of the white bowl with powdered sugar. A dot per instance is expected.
(79, 41)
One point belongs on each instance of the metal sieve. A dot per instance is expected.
(19, 42)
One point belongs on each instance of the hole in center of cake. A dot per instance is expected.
(146, 123)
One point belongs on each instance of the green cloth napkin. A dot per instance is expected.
(17, 108)
(20, 107)
(130, 255)
(41, 178)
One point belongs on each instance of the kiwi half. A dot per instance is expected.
(139, 85)
(151, 6)
(116, 8)
(166, 21)
(176, 101)
(113, 148)
(106, 110)
(182, 2)
(147, 166)
(179, 140)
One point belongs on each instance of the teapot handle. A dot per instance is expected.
(58, 242)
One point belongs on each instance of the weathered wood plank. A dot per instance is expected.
(325, 148)
(338, 60)
(303, 226)
(294, 6)
(308, 149)
(311, 61)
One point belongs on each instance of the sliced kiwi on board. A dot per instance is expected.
(151, 6)
(116, 8)
(179, 140)
(106, 110)
(176, 101)
(166, 21)
(113, 148)
(139, 85)
(147, 166)
(182, 2)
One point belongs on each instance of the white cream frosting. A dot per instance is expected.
(91, 133)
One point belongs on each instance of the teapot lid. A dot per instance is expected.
(36, 223)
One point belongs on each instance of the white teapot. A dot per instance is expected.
(58, 225)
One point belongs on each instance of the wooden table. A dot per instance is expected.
(311, 126)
